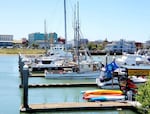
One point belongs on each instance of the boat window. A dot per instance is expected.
(46, 62)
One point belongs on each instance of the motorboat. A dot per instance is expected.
(138, 58)
(130, 59)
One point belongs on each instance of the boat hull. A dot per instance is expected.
(73, 75)
(108, 84)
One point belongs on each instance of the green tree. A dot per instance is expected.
(143, 97)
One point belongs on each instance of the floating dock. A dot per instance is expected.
(77, 106)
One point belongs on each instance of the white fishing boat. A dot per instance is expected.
(73, 75)
(84, 71)
(86, 68)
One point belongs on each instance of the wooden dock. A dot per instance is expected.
(77, 106)
(85, 84)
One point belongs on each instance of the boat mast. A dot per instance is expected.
(65, 22)
(75, 38)
(45, 35)
(77, 30)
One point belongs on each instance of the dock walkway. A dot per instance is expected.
(77, 106)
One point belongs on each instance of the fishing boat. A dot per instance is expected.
(86, 67)
(86, 70)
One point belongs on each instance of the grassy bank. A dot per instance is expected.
(23, 51)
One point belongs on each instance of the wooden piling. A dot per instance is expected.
(25, 86)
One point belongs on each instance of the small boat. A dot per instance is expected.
(107, 98)
(138, 79)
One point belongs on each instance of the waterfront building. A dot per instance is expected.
(121, 46)
(6, 41)
(42, 40)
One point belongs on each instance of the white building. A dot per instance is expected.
(6, 41)
(121, 46)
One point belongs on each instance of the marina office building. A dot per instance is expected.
(6, 41)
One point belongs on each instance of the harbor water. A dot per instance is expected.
(11, 94)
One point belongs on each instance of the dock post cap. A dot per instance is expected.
(25, 67)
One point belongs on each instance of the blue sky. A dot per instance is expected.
(99, 19)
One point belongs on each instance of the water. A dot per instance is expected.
(11, 94)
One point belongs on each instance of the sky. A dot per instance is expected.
(99, 19)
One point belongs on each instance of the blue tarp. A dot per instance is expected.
(110, 68)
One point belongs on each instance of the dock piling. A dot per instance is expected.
(25, 86)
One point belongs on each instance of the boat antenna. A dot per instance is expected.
(65, 22)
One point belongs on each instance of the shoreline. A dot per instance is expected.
(42, 51)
